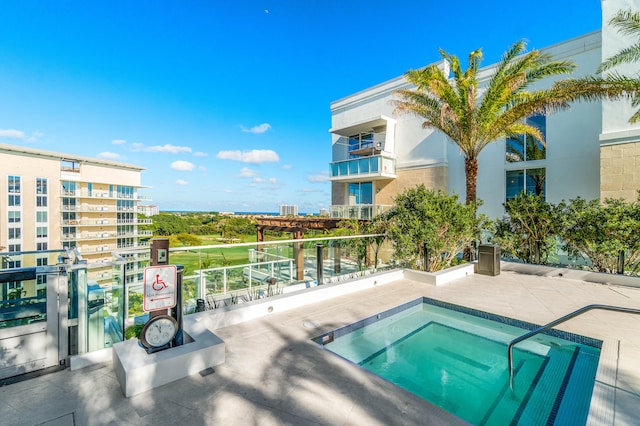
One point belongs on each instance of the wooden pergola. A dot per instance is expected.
(297, 226)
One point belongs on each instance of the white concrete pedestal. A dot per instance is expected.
(139, 372)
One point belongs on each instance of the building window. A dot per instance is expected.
(14, 200)
(41, 217)
(360, 141)
(526, 147)
(15, 247)
(42, 246)
(533, 181)
(41, 201)
(14, 264)
(68, 187)
(14, 185)
(15, 233)
(14, 217)
(41, 232)
(41, 186)
(42, 261)
(360, 193)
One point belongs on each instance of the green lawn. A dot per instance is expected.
(214, 257)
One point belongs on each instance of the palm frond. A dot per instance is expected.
(628, 22)
(626, 55)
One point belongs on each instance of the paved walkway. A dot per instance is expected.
(275, 375)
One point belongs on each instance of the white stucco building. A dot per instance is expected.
(592, 151)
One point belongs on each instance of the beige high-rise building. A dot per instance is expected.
(51, 201)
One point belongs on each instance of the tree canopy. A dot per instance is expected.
(473, 118)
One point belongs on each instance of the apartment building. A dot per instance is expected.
(591, 151)
(148, 210)
(288, 210)
(52, 201)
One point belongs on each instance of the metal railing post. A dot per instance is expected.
(426, 257)
(621, 262)
(319, 254)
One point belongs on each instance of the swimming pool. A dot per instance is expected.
(456, 358)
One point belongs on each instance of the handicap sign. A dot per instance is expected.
(160, 289)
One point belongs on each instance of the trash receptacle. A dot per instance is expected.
(489, 259)
(200, 305)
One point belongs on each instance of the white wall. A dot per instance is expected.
(616, 114)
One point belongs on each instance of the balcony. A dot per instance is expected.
(135, 221)
(374, 167)
(138, 233)
(358, 211)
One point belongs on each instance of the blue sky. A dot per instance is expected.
(226, 103)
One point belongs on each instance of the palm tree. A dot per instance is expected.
(473, 119)
(628, 23)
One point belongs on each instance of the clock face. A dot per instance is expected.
(159, 331)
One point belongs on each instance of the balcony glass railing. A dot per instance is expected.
(376, 165)
(358, 211)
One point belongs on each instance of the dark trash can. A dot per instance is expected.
(489, 259)
(200, 305)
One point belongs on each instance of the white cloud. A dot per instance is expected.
(253, 156)
(181, 182)
(310, 190)
(258, 180)
(320, 177)
(183, 166)
(35, 136)
(287, 166)
(137, 146)
(246, 172)
(200, 154)
(202, 168)
(228, 191)
(106, 155)
(11, 134)
(171, 149)
(273, 180)
(118, 142)
(261, 128)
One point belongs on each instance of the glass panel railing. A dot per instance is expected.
(264, 270)
(23, 286)
(363, 166)
(358, 211)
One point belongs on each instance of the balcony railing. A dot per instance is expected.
(96, 235)
(358, 211)
(374, 167)
(135, 221)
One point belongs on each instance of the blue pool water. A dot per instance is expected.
(456, 358)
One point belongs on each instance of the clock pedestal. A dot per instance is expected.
(139, 372)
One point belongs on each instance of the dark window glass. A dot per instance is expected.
(515, 182)
(536, 179)
(527, 147)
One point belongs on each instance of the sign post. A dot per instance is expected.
(162, 298)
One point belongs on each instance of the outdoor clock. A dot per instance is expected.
(159, 331)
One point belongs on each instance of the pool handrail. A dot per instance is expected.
(556, 322)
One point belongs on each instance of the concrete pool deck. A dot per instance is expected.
(274, 374)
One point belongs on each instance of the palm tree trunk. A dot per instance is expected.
(471, 173)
